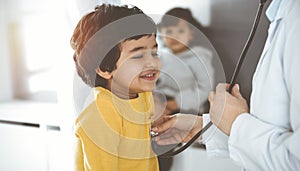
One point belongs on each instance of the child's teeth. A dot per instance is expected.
(149, 75)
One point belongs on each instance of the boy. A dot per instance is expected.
(116, 54)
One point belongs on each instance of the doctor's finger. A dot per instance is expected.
(171, 137)
(160, 120)
(236, 91)
(167, 134)
(190, 135)
(211, 96)
(222, 88)
(170, 140)
(168, 122)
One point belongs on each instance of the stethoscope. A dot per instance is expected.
(173, 152)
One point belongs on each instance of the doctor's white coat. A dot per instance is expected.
(268, 138)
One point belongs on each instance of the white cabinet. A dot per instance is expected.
(22, 148)
(31, 139)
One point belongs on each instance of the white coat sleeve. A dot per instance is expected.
(216, 141)
(257, 145)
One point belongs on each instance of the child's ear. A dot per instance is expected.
(104, 74)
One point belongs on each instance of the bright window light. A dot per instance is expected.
(45, 36)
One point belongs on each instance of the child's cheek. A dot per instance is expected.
(129, 70)
(159, 64)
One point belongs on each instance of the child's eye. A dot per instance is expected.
(154, 54)
(168, 32)
(137, 56)
(180, 31)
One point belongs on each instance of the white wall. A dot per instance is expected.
(88, 5)
(200, 9)
(6, 92)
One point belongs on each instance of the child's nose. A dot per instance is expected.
(151, 61)
(174, 36)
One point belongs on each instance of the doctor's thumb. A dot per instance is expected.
(211, 96)
(236, 91)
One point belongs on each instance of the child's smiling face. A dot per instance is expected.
(177, 37)
(138, 68)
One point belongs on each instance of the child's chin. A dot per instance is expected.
(148, 88)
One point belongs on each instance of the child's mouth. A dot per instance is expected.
(149, 76)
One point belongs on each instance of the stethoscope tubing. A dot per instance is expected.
(238, 66)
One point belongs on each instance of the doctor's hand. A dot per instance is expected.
(177, 128)
(226, 107)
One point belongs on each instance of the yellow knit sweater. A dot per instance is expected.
(113, 134)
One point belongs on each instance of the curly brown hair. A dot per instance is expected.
(97, 37)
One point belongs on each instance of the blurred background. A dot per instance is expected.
(37, 72)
